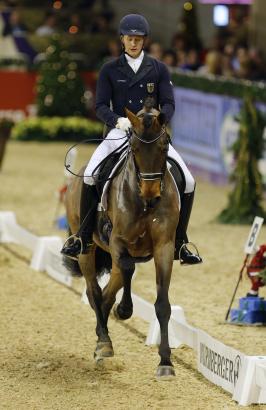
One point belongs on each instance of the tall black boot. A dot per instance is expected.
(88, 209)
(181, 251)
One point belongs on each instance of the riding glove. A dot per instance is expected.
(123, 124)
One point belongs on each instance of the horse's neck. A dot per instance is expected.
(129, 181)
(127, 186)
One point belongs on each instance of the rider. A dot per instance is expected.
(126, 82)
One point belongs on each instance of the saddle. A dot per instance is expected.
(105, 172)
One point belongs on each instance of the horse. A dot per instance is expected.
(143, 208)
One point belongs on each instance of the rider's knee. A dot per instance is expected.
(190, 184)
(89, 180)
(116, 134)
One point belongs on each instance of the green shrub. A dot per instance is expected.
(56, 129)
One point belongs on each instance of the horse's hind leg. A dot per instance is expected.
(104, 346)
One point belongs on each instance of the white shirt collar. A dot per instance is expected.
(135, 62)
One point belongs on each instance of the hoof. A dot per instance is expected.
(103, 349)
(120, 314)
(165, 372)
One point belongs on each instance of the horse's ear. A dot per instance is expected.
(161, 118)
(135, 121)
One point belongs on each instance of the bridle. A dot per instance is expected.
(148, 176)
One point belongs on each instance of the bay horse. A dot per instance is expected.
(143, 207)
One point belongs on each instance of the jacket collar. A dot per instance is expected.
(144, 68)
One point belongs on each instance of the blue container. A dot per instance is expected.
(252, 303)
(62, 222)
(247, 316)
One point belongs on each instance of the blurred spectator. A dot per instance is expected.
(227, 67)
(13, 24)
(257, 64)
(178, 42)
(114, 51)
(241, 57)
(155, 50)
(192, 61)
(221, 39)
(49, 25)
(245, 70)
(114, 48)
(169, 58)
(181, 58)
(229, 49)
(213, 63)
(15, 31)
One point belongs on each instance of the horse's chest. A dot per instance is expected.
(137, 239)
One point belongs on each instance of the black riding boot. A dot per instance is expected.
(181, 251)
(88, 208)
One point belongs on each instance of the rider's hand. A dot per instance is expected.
(123, 124)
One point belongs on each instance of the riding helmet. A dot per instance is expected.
(134, 24)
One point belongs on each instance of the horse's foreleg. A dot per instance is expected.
(124, 309)
(163, 257)
(104, 345)
(122, 271)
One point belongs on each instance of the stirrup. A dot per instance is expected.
(184, 245)
(75, 239)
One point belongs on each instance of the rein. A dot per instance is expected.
(163, 130)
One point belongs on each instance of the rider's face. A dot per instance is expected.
(133, 45)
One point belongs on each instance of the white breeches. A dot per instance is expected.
(113, 141)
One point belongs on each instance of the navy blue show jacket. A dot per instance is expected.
(118, 87)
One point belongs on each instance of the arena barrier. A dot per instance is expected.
(241, 375)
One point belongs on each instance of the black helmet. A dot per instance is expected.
(134, 24)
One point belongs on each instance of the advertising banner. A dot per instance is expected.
(220, 364)
(204, 128)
